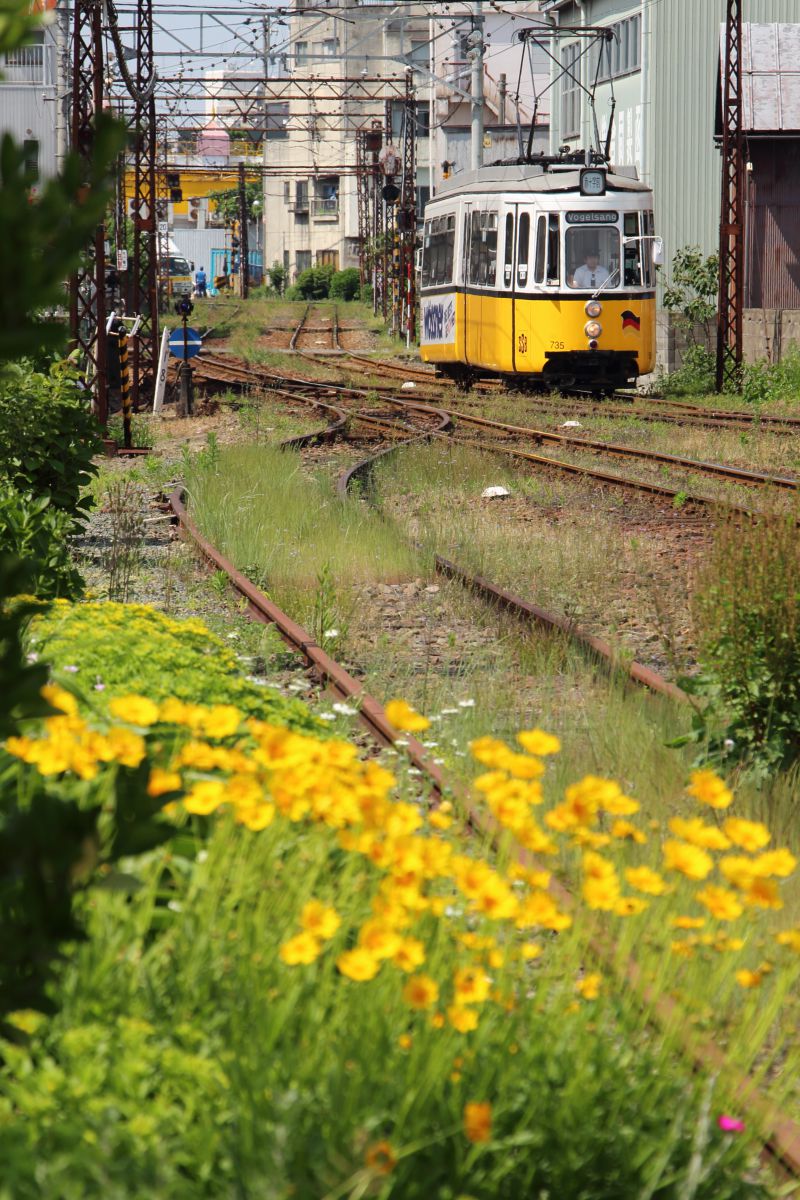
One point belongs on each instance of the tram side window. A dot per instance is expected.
(508, 252)
(632, 257)
(438, 250)
(523, 249)
(554, 248)
(483, 249)
(541, 249)
(648, 267)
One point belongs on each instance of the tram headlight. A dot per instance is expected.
(593, 308)
(593, 329)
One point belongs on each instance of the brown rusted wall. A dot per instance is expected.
(773, 224)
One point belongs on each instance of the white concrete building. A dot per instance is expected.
(33, 87)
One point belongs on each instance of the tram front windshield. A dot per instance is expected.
(592, 257)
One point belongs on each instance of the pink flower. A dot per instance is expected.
(730, 1124)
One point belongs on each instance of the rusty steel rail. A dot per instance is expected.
(329, 672)
(299, 329)
(533, 613)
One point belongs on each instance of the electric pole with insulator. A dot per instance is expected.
(731, 228)
(244, 253)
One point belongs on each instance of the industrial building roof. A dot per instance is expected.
(770, 78)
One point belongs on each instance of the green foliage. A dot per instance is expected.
(20, 681)
(43, 240)
(132, 648)
(293, 293)
(277, 277)
(693, 289)
(227, 202)
(346, 285)
(365, 295)
(141, 432)
(765, 383)
(48, 435)
(215, 1067)
(314, 283)
(17, 23)
(39, 533)
(747, 619)
(697, 375)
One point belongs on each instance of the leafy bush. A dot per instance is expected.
(277, 277)
(365, 295)
(132, 648)
(697, 375)
(38, 533)
(293, 293)
(48, 435)
(691, 298)
(747, 621)
(346, 285)
(141, 432)
(315, 282)
(765, 383)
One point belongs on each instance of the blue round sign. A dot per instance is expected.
(186, 347)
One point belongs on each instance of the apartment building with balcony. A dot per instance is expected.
(33, 94)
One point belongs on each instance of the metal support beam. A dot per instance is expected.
(145, 249)
(244, 250)
(731, 228)
(87, 292)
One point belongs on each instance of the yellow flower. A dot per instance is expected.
(256, 818)
(775, 862)
(750, 835)
(221, 721)
(530, 950)
(790, 938)
(60, 699)
(439, 820)
(127, 747)
(630, 906)
(589, 986)
(319, 920)
(379, 939)
(749, 979)
(136, 710)
(626, 829)
(162, 781)
(421, 991)
(471, 985)
(405, 1041)
(689, 860)
(404, 717)
(409, 955)
(540, 909)
(358, 965)
(763, 893)
(478, 1121)
(645, 880)
(688, 922)
(205, 797)
(304, 948)
(380, 1158)
(684, 949)
(707, 787)
(463, 1019)
(721, 903)
(695, 831)
(536, 741)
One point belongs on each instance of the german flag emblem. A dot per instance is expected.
(630, 320)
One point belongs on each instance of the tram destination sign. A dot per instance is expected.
(606, 217)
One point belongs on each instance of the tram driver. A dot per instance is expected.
(592, 274)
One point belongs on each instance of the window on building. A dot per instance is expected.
(571, 91)
(422, 119)
(420, 54)
(300, 54)
(438, 250)
(326, 196)
(623, 55)
(328, 258)
(287, 193)
(327, 48)
(483, 249)
(423, 196)
(303, 260)
(287, 262)
(301, 195)
(30, 149)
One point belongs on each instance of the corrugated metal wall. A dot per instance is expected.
(773, 224)
(684, 161)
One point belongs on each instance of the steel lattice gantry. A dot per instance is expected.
(145, 248)
(731, 229)
(87, 291)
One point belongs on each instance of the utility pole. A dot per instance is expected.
(731, 228)
(145, 244)
(244, 252)
(87, 289)
(475, 40)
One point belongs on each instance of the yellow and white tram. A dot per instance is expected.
(543, 273)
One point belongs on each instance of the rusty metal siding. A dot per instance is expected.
(773, 224)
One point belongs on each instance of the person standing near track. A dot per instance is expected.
(200, 283)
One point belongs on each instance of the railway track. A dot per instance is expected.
(782, 1146)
